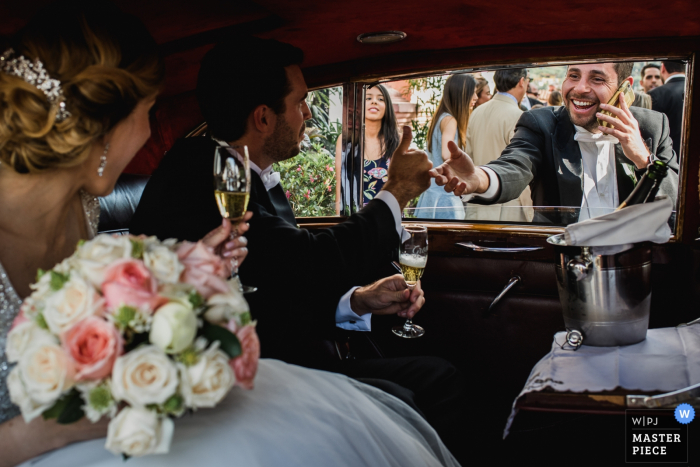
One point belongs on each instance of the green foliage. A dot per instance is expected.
(427, 106)
(136, 249)
(309, 181)
(124, 316)
(100, 397)
(228, 342)
(321, 129)
(58, 279)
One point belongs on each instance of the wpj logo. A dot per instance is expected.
(658, 436)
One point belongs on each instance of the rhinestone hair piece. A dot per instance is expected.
(35, 74)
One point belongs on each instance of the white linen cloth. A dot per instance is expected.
(294, 417)
(667, 360)
(633, 224)
(599, 179)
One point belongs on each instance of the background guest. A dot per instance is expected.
(668, 98)
(483, 92)
(491, 128)
(449, 123)
(533, 95)
(381, 140)
(554, 99)
(651, 77)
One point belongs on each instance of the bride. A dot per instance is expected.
(69, 124)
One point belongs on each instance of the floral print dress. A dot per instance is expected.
(373, 178)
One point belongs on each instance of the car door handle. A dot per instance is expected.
(511, 283)
(689, 394)
(520, 249)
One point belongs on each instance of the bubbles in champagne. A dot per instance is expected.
(416, 261)
(412, 267)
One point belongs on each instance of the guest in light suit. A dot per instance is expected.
(491, 128)
(565, 156)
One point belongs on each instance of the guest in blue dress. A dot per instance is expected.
(449, 124)
(381, 140)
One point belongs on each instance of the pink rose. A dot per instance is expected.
(93, 344)
(203, 269)
(19, 319)
(245, 366)
(129, 282)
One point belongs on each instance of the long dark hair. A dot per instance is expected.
(389, 132)
(456, 100)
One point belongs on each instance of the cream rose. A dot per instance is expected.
(144, 376)
(163, 263)
(43, 374)
(23, 336)
(173, 328)
(77, 299)
(139, 432)
(207, 382)
(224, 307)
(93, 257)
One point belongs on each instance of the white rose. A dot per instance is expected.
(139, 432)
(93, 257)
(43, 374)
(24, 335)
(223, 307)
(76, 300)
(207, 382)
(163, 262)
(174, 327)
(144, 376)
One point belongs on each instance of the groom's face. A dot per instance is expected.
(284, 143)
(586, 87)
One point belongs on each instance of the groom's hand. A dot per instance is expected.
(388, 296)
(458, 174)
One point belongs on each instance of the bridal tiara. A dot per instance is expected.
(35, 74)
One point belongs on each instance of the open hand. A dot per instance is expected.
(388, 296)
(458, 174)
(626, 130)
(408, 172)
(230, 248)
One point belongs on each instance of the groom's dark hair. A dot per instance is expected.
(239, 75)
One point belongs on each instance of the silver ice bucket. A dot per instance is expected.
(605, 297)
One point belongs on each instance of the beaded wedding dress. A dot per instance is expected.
(294, 417)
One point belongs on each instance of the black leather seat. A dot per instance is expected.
(117, 208)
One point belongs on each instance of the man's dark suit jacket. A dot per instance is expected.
(668, 99)
(544, 155)
(534, 101)
(300, 274)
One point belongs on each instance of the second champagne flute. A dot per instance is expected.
(232, 190)
(413, 257)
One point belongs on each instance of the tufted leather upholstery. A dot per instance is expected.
(117, 208)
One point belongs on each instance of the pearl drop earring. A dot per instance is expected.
(103, 161)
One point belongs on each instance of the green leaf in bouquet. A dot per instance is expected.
(73, 411)
(56, 410)
(100, 397)
(41, 321)
(136, 248)
(135, 340)
(124, 315)
(196, 299)
(174, 404)
(228, 342)
(188, 357)
(81, 242)
(39, 274)
(246, 318)
(58, 279)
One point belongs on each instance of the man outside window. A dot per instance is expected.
(565, 156)
(651, 77)
(668, 98)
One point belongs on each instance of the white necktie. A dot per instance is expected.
(599, 189)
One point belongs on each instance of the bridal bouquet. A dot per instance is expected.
(136, 329)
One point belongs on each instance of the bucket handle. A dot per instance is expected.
(580, 266)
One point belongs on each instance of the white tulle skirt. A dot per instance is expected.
(293, 417)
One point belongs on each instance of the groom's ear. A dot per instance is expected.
(263, 120)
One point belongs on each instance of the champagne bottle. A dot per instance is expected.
(648, 185)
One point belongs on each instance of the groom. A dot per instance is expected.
(252, 92)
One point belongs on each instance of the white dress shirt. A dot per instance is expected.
(345, 317)
(599, 178)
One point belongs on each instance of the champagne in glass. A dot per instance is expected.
(412, 259)
(232, 189)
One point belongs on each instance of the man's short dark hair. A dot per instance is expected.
(507, 79)
(674, 66)
(239, 75)
(650, 65)
(623, 70)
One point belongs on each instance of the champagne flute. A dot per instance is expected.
(232, 190)
(413, 257)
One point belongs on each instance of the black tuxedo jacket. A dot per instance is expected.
(544, 155)
(668, 99)
(534, 101)
(300, 274)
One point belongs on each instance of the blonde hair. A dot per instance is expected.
(456, 101)
(106, 62)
